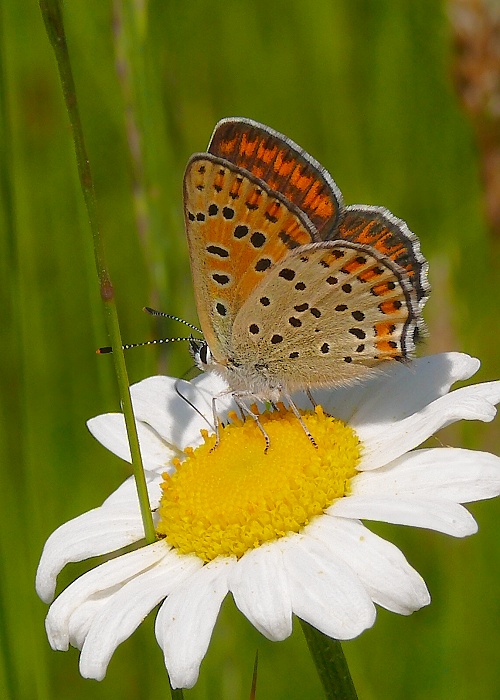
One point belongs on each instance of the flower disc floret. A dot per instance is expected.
(227, 500)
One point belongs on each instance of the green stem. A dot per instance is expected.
(52, 15)
(330, 663)
(177, 693)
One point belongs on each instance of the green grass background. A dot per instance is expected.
(363, 86)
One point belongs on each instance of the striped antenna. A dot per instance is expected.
(159, 341)
(153, 312)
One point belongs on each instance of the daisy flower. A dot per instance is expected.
(281, 531)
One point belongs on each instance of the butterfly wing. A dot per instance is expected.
(267, 229)
(237, 229)
(288, 169)
(283, 165)
(327, 314)
(378, 228)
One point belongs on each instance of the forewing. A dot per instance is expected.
(328, 314)
(283, 165)
(237, 229)
(289, 169)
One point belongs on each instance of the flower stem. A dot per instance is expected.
(175, 693)
(53, 18)
(330, 663)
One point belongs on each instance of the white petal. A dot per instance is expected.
(382, 445)
(99, 583)
(126, 494)
(208, 386)
(79, 622)
(381, 567)
(398, 391)
(109, 429)
(325, 592)
(409, 388)
(115, 524)
(186, 620)
(260, 590)
(165, 404)
(443, 516)
(209, 392)
(99, 531)
(127, 609)
(446, 473)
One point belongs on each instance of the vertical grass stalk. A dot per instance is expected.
(52, 15)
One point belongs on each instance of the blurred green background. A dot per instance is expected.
(366, 88)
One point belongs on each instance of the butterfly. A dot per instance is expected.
(294, 290)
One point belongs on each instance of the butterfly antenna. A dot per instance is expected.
(153, 312)
(159, 341)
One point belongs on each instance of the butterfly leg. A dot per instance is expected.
(247, 411)
(300, 419)
(311, 398)
(217, 423)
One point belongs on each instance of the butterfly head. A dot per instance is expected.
(201, 353)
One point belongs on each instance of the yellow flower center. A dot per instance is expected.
(227, 500)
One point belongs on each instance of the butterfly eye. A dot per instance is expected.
(205, 354)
